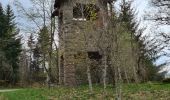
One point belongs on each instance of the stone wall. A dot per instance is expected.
(77, 38)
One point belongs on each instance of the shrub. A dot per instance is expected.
(167, 80)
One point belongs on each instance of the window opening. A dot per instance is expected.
(85, 12)
(94, 55)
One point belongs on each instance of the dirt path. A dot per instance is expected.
(8, 90)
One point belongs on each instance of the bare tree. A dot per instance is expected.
(40, 16)
(24, 69)
(163, 11)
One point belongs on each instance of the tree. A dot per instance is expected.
(24, 68)
(163, 14)
(11, 47)
(162, 17)
(31, 45)
(3, 62)
(40, 17)
(130, 24)
(44, 46)
(127, 47)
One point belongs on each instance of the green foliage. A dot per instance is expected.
(10, 19)
(11, 46)
(44, 40)
(127, 17)
(132, 37)
(150, 68)
(147, 91)
(2, 22)
(167, 80)
(92, 11)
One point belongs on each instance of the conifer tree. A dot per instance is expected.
(11, 41)
(44, 47)
(3, 61)
(13, 48)
(127, 45)
(2, 16)
(144, 67)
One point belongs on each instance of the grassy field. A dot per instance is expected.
(149, 91)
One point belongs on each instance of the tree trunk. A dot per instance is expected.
(105, 72)
(89, 76)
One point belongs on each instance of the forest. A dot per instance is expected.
(84, 50)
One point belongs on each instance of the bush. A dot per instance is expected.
(167, 80)
(4, 83)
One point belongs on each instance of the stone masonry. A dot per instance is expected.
(80, 40)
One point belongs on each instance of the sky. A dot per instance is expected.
(5, 2)
(141, 7)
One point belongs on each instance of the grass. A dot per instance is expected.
(148, 91)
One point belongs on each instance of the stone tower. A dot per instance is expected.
(80, 24)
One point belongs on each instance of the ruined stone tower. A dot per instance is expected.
(80, 23)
